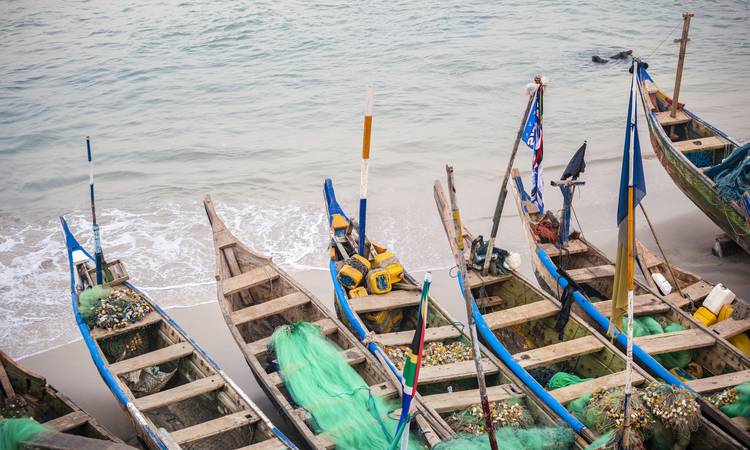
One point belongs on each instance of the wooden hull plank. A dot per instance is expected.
(719, 382)
(572, 392)
(327, 327)
(269, 308)
(575, 246)
(154, 358)
(180, 393)
(521, 314)
(451, 401)
(675, 341)
(248, 279)
(68, 421)
(214, 427)
(392, 300)
(592, 273)
(405, 337)
(730, 328)
(454, 371)
(102, 333)
(558, 352)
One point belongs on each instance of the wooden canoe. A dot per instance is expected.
(45, 404)
(692, 285)
(198, 406)
(519, 319)
(674, 139)
(449, 387)
(722, 365)
(257, 296)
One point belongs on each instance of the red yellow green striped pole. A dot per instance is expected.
(366, 139)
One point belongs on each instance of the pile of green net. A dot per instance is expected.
(647, 326)
(734, 402)
(15, 431)
(319, 379)
(88, 302)
(508, 438)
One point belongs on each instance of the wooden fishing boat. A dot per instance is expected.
(26, 394)
(448, 387)
(257, 296)
(717, 364)
(520, 319)
(681, 141)
(174, 393)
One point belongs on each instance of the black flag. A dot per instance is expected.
(577, 165)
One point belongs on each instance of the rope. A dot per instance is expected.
(664, 40)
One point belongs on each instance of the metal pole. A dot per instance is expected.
(681, 61)
(503, 186)
(461, 262)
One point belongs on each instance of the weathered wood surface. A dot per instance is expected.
(575, 246)
(451, 401)
(149, 319)
(558, 352)
(269, 444)
(248, 279)
(729, 328)
(62, 441)
(719, 382)
(180, 393)
(572, 392)
(405, 337)
(700, 144)
(154, 358)
(391, 300)
(585, 274)
(214, 427)
(665, 119)
(454, 371)
(327, 327)
(675, 341)
(269, 308)
(521, 314)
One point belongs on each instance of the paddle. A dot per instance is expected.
(504, 184)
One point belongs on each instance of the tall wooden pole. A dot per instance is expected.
(683, 46)
(98, 254)
(366, 135)
(461, 263)
(504, 185)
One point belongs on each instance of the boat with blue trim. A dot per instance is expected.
(700, 358)
(177, 397)
(386, 323)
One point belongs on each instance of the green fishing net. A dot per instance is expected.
(89, 300)
(740, 407)
(319, 379)
(647, 326)
(508, 438)
(15, 431)
(578, 406)
(563, 379)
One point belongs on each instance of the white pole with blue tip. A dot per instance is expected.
(98, 255)
(367, 134)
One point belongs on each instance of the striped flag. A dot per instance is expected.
(411, 369)
(533, 135)
(632, 191)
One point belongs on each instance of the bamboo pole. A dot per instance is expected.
(98, 254)
(504, 185)
(366, 136)
(661, 250)
(461, 263)
(681, 61)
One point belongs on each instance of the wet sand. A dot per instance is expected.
(685, 233)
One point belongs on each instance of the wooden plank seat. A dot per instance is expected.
(452, 401)
(521, 314)
(644, 304)
(665, 118)
(558, 352)
(719, 382)
(68, 422)
(352, 355)
(700, 144)
(154, 358)
(430, 335)
(585, 274)
(269, 308)
(454, 371)
(572, 392)
(104, 333)
(249, 279)
(675, 341)
(575, 246)
(180, 393)
(215, 427)
(268, 444)
(695, 292)
(477, 280)
(392, 300)
(730, 328)
(327, 327)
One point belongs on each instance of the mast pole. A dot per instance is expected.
(98, 255)
(367, 134)
(461, 263)
(504, 185)
(681, 61)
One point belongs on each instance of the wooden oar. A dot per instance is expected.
(503, 186)
(98, 255)
(461, 263)
(367, 134)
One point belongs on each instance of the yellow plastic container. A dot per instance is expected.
(358, 292)
(725, 313)
(742, 342)
(378, 281)
(387, 260)
(339, 225)
(353, 271)
(705, 316)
